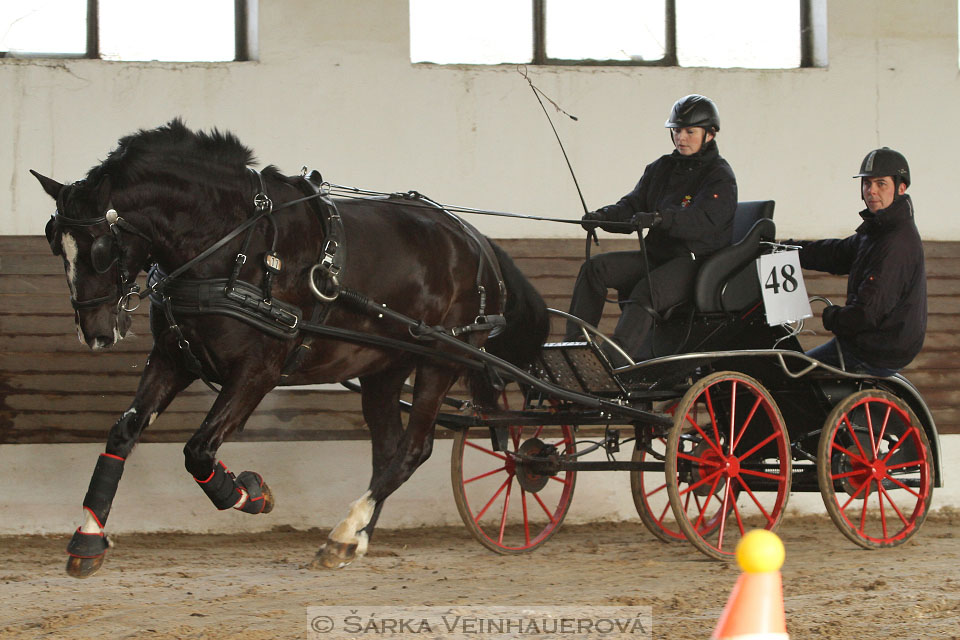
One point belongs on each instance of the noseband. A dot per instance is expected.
(104, 252)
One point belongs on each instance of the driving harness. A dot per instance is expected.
(177, 297)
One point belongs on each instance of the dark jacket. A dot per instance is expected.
(696, 195)
(885, 316)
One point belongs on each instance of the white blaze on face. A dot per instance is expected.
(69, 247)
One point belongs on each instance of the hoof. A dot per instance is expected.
(268, 500)
(84, 567)
(334, 555)
(259, 497)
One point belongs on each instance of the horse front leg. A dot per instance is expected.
(238, 398)
(348, 540)
(161, 381)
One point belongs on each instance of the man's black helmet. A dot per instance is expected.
(694, 111)
(885, 162)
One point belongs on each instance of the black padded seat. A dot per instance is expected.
(727, 280)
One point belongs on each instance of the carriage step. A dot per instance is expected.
(578, 366)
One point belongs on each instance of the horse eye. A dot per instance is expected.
(103, 253)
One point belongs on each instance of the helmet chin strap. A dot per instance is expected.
(897, 181)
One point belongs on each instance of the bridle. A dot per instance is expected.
(107, 248)
(104, 252)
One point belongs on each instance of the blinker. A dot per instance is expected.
(103, 253)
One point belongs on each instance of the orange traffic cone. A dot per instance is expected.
(755, 608)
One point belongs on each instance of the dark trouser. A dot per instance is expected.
(671, 279)
(827, 354)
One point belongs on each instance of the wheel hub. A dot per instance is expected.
(860, 473)
(710, 462)
(528, 479)
(732, 466)
(878, 470)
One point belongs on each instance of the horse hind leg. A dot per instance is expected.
(380, 401)
(350, 538)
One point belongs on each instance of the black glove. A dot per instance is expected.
(830, 318)
(645, 220)
(592, 220)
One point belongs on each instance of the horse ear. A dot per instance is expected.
(51, 186)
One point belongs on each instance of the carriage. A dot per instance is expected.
(720, 427)
(737, 417)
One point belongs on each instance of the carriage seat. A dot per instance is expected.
(727, 280)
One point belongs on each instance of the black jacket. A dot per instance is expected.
(696, 196)
(885, 316)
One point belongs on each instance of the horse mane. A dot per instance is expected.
(216, 158)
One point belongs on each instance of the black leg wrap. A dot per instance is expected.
(103, 487)
(87, 545)
(221, 487)
(253, 483)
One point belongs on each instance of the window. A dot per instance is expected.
(129, 30)
(764, 34)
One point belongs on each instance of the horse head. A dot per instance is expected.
(101, 261)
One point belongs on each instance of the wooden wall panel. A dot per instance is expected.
(53, 389)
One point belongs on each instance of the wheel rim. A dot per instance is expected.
(649, 488)
(505, 504)
(875, 470)
(729, 463)
(650, 493)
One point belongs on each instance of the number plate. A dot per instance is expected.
(784, 294)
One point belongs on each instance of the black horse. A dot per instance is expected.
(247, 294)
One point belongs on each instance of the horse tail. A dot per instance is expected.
(521, 341)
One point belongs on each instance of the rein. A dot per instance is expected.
(363, 194)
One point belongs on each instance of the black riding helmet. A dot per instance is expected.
(694, 111)
(886, 162)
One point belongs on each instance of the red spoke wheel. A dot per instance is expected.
(510, 505)
(875, 469)
(649, 489)
(728, 466)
